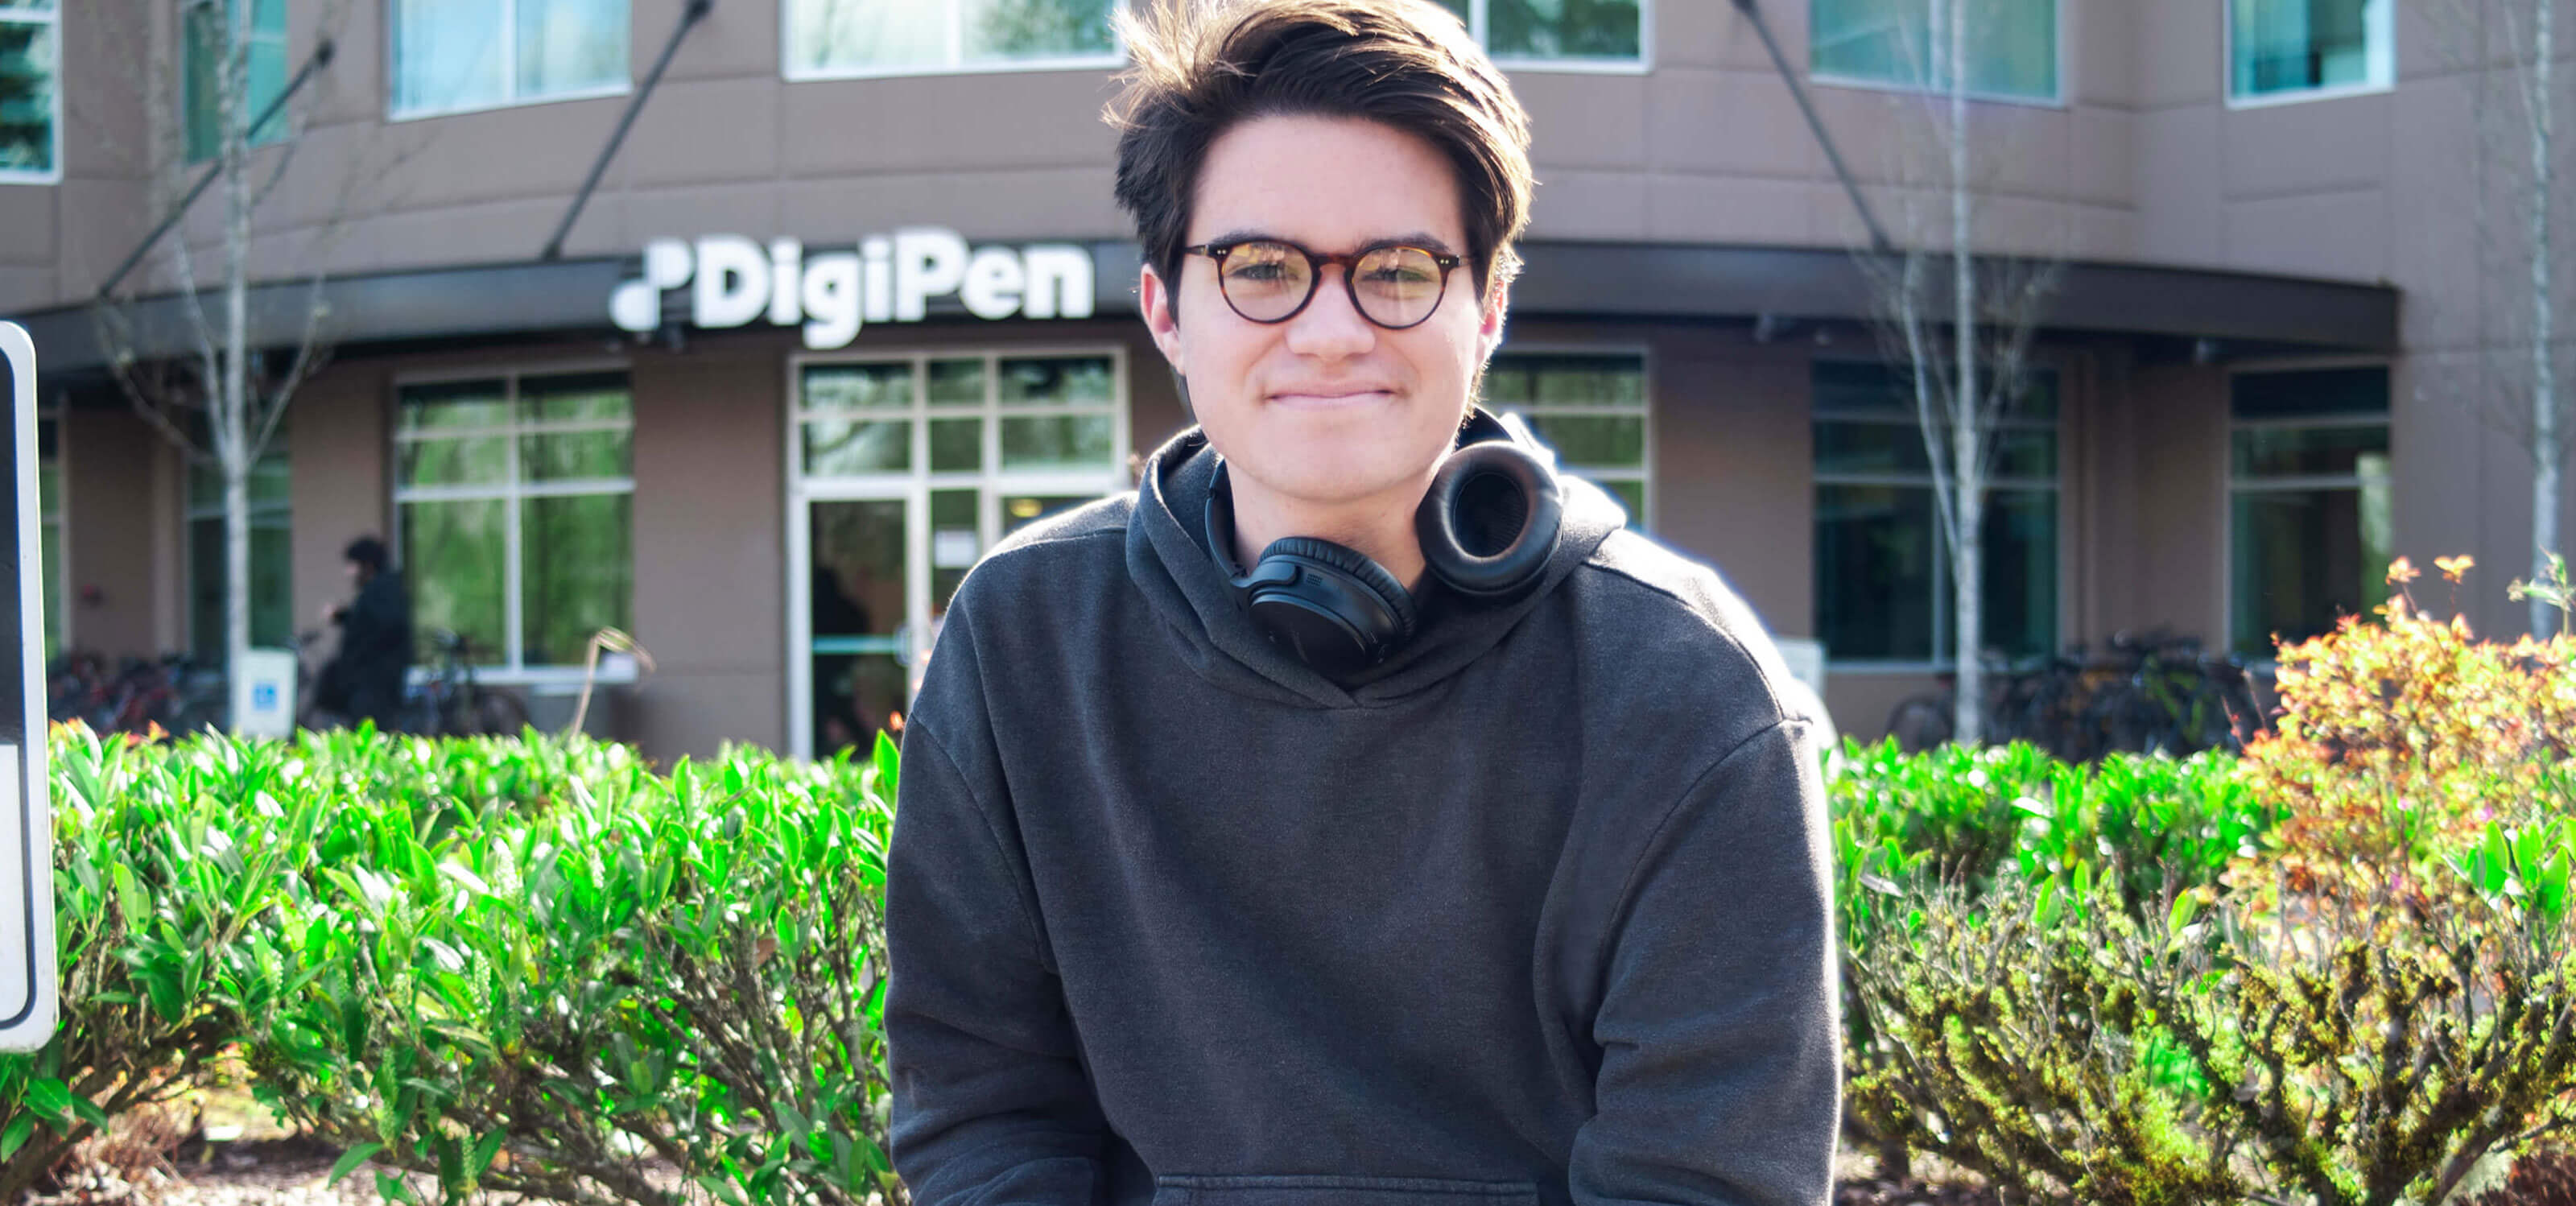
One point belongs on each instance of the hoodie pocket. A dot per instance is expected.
(1339, 1191)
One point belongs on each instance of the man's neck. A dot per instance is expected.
(1379, 527)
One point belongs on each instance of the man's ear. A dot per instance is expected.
(1489, 325)
(1154, 299)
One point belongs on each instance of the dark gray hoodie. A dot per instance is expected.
(1540, 912)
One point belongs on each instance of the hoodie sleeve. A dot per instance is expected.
(991, 1106)
(1719, 1024)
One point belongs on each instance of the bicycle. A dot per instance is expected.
(450, 703)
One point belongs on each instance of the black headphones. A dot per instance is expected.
(1488, 528)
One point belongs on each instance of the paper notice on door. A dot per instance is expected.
(953, 548)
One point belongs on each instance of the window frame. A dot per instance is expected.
(2061, 100)
(19, 14)
(509, 69)
(2229, 483)
(915, 485)
(191, 512)
(790, 72)
(1477, 23)
(516, 671)
(1943, 593)
(2384, 64)
(1644, 411)
(188, 68)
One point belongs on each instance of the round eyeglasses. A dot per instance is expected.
(1271, 280)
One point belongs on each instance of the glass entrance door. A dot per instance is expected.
(858, 591)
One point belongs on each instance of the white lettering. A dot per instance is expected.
(927, 261)
(993, 283)
(880, 278)
(786, 257)
(636, 306)
(733, 281)
(831, 301)
(1059, 281)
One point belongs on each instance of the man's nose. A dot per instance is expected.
(1330, 327)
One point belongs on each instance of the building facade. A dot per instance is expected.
(851, 301)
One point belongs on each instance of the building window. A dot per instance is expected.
(1557, 33)
(2299, 49)
(453, 56)
(840, 38)
(2308, 502)
(1591, 408)
(49, 532)
(31, 106)
(272, 598)
(514, 497)
(1883, 590)
(1904, 44)
(263, 71)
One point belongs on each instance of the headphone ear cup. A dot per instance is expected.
(1372, 583)
(1475, 483)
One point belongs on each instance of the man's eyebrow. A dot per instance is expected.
(1421, 238)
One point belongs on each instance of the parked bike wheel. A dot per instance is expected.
(1920, 723)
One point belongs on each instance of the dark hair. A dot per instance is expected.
(367, 551)
(1202, 66)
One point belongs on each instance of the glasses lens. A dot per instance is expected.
(1398, 286)
(1265, 281)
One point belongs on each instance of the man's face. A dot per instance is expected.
(1326, 408)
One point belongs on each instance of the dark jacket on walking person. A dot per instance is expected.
(375, 637)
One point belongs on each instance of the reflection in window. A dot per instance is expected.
(514, 496)
(1532, 32)
(866, 37)
(2012, 45)
(1883, 589)
(262, 66)
(2308, 502)
(456, 55)
(272, 600)
(1590, 407)
(31, 109)
(2281, 48)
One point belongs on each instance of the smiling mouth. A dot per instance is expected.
(1334, 398)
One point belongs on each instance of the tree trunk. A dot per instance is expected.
(2547, 452)
(1967, 443)
(233, 434)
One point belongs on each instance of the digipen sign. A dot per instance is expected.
(734, 281)
(26, 823)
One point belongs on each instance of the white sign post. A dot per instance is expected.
(27, 984)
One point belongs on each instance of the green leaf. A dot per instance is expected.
(16, 1136)
(351, 1159)
(51, 1099)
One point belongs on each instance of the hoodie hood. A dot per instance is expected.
(1169, 559)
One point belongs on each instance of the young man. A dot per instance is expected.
(1315, 827)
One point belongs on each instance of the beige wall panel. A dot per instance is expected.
(705, 132)
(1861, 703)
(1018, 119)
(1588, 121)
(356, 84)
(26, 289)
(2435, 251)
(27, 213)
(2306, 147)
(118, 572)
(2100, 496)
(2177, 185)
(1700, 34)
(337, 449)
(548, 148)
(1734, 209)
(694, 713)
(1733, 121)
(2107, 234)
(709, 564)
(2180, 428)
(2341, 235)
(2022, 150)
(1733, 471)
(1589, 205)
(2102, 59)
(499, 232)
(2179, 53)
(731, 40)
(350, 172)
(625, 223)
(2441, 430)
(2105, 152)
(1015, 205)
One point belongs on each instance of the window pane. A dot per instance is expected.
(1069, 441)
(839, 446)
(857, 386)
(2307, 451)
(2301, 558)
(447, 55)
(477, 460)
(1870, 448)
(956, 445)
(957, 382)
(1551, 380)
(580, 397)
(2012, 44)
(1587, 29)
(455, 404)
(2299, 45)
(1631, 494)
(2345, 391)
(51, 540)
(2020, 603)
(27, 67)
(1034, 29)
(571, 46)
(452, 553)
(576, 558)
(1593, 440)
(1874, 572)
(272, 600)
(1456, 6)
(49, 490)
(954, 542)
(576, 456)
(825, 34)
(2024, 454)
(1019, 511)
(1068, 379)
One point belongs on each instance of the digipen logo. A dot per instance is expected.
(834, 294)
